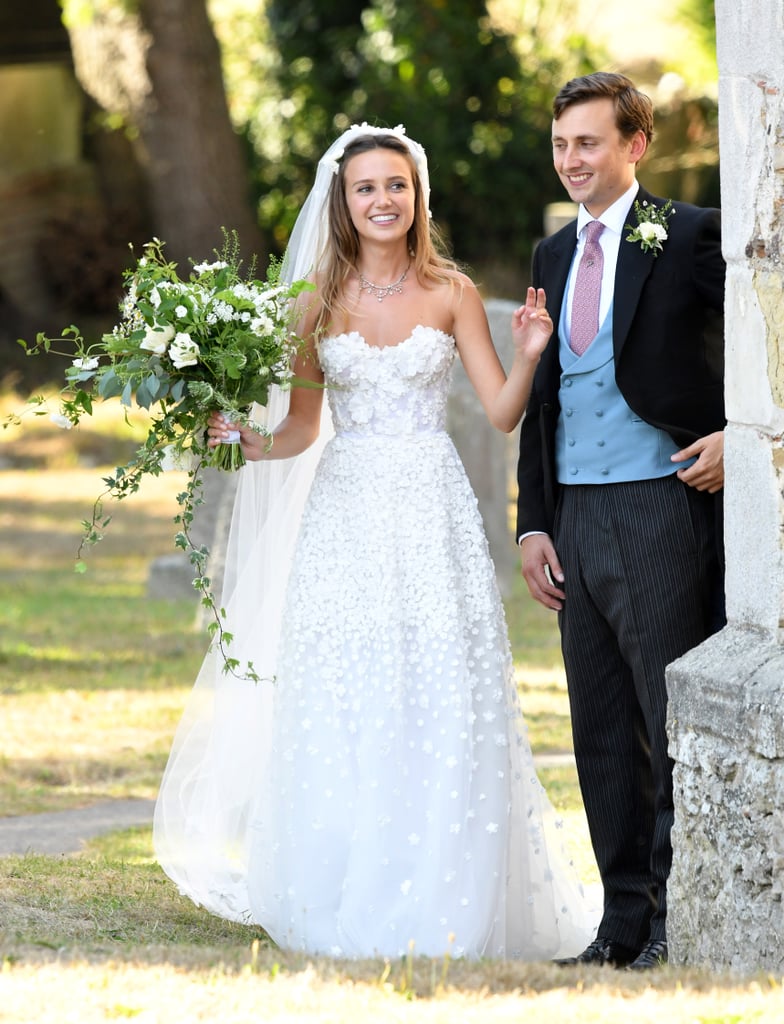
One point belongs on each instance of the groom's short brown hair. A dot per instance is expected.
(633, 109)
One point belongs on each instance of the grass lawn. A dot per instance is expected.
(93, 676)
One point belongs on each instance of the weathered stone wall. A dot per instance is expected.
(726, 712)
(725, 892)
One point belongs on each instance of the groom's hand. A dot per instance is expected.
(538, 557)
(707, 473)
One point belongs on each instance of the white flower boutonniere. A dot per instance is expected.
(651, 228)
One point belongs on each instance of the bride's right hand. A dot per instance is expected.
(219, 429)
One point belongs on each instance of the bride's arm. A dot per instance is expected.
(503, 398)
(297, 430)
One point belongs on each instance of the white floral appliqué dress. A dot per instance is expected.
(393, 798)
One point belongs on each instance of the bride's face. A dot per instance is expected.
(380, 194)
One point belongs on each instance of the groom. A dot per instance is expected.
(620, 477)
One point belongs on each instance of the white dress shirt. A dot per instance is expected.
(615, 219)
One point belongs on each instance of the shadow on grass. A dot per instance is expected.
(105, 909)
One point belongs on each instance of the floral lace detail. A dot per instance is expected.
(402, 804)
(368, 396)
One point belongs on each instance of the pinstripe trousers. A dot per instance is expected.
(641, 573)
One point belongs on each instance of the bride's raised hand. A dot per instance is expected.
(531, 324)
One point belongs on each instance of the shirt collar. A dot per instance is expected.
(615, 216)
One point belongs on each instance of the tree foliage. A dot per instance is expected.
(457, 82)
(701, 16)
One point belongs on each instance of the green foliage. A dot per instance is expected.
(701, 16)
(461, 86)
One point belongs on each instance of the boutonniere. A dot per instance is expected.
(652, 223)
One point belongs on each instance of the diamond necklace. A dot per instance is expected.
(382, 290)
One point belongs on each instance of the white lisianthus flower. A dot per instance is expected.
(181, 311)
(157, 338)
(90, 363)
(61, 421)
(653, 232)
(183, 351)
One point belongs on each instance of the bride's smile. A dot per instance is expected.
(380, 195)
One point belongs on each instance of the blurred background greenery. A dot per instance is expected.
(124, 119)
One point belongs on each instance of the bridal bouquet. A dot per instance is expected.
(183, 349)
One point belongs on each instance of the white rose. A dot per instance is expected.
(183, 351)
(181, 311)
(157, 338)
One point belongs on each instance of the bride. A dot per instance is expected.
(376, 792)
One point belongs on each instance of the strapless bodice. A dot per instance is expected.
(397, 390)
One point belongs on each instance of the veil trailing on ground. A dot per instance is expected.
(219, 755)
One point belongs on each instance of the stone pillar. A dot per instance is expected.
(726, 710)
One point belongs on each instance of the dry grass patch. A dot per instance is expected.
(278, 988)
(102, 936)
(63, 749)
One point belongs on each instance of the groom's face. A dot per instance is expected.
(593, 160)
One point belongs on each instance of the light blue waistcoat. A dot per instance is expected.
(599, 440)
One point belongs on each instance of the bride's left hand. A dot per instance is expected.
(531, 324)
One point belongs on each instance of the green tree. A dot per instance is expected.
(456, 80)
(701, 16)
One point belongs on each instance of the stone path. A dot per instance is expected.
(62, 832)
(65, 831)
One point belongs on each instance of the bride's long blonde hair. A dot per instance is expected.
(340, 259)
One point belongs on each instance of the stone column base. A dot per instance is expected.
(726, 730)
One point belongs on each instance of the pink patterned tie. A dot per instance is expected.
(587, 290)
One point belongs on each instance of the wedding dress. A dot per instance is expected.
(388, 795)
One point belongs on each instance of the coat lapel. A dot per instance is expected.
(632, 271)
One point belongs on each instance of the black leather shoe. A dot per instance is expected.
(601, 952)
(653, 954)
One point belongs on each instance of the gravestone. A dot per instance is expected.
(170, 577)
(489, 456)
